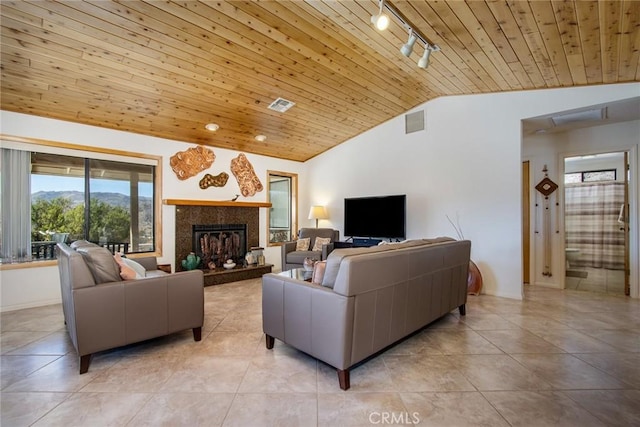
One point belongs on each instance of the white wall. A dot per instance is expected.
(467, 163)
(551, 149)
(28, 287)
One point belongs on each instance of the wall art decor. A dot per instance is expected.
(209, 180)
(191, 162)
(248, 181)
(546, 187)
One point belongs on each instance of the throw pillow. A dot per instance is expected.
(126, 272)
(303, 244)
(317, 246)
(136, 266)
(318, 272)
(101, 264)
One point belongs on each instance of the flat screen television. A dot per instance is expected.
(375, 217)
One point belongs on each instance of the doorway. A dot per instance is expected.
(596, 218)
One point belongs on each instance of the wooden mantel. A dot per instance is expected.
(228, 203)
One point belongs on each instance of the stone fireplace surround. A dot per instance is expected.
(187, 216)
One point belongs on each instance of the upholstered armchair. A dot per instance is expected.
(294, 253)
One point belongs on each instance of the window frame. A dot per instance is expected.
(85, 151)
(582, 174)
(293, 200)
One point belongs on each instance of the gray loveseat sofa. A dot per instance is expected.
(102, 311)
(369, 299)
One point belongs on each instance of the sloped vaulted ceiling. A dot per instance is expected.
(167, 68)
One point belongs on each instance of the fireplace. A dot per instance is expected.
(216, 243)
(192, 222)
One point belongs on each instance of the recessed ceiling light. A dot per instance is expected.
(261, 138)
(212, 127)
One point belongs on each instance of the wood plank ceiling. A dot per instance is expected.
(166, 68)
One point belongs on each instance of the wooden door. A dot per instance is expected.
(625, 226)
(526, 222)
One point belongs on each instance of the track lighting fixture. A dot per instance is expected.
(407, 48)
(424, 61)
(381, 22)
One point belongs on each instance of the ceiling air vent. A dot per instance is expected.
(414, 122)
(281, 105)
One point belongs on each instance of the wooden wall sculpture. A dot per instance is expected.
(189, 163)
(248, 181)
(209, 180)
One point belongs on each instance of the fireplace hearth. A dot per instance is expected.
(216, 243)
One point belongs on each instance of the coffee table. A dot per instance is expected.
(298, 274)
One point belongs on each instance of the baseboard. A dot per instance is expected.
(34, 304)
(498, 294)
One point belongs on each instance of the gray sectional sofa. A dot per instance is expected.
(369, 299)
(102, 311)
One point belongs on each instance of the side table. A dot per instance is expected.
(165, 267)
(342, 245)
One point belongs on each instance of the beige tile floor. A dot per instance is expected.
(558, 358)
(597, 280)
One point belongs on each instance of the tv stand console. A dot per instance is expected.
(357, 243)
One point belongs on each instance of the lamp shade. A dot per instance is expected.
(318, 212)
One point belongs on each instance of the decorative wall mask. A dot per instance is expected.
(247, 179)
(209, 180)
(189, 163)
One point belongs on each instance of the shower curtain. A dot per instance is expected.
(591, 223)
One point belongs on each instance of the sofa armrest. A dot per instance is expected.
(285, 249)
(288, 247)
(186, 300)
(149, 263)
(99, 317)
(309, 317)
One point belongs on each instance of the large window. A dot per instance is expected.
(283, 193)
(104, 198)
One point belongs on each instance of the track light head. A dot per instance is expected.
(424, 61)
(407, 48)
(381, 21)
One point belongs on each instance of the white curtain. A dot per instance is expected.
(15, 197)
